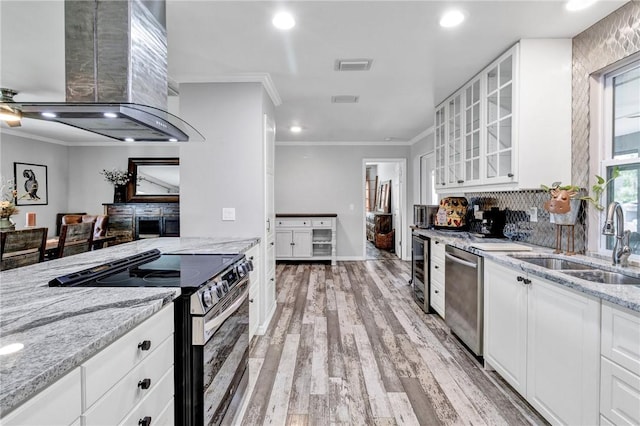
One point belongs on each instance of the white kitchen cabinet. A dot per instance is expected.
(505, 324)
(436, 272)
(620, 366)
(59, 404)
(563, 335)
(255, 285)
(111, 387)
(306, 238)
(516, 122)
(544, 340)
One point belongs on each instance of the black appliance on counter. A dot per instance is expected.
(420, 278)
(424, 215)
(493, 222)
(211, 321)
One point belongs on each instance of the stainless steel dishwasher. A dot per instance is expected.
(463, 297)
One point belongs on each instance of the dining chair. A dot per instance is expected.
(75, 238)
(101, 221)
(22, 247)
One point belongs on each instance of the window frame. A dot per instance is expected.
(606, 159)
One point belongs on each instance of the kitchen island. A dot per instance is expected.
(61, 328)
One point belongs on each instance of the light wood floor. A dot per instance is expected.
(347, 345)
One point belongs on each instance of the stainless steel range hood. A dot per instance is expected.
(116, 73)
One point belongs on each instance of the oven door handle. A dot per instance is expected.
(218, 320)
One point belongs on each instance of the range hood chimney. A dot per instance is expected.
(116, 73)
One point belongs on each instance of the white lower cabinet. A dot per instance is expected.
(59, 404)
(253, 254)
(436, 270)
(306, 237)
(620, 366)
(293, 244)
(544, 340)
(127, 381)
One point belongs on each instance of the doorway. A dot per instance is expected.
(384, 195)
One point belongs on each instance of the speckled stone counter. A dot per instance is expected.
(63, 327)
(620, 294)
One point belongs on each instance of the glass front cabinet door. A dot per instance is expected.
(440, 145)
(472, 132)
(499, 120)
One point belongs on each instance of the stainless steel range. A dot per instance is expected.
(211, 321)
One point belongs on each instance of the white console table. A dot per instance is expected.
(306, 236)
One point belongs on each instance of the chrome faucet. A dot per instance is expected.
(619, 256)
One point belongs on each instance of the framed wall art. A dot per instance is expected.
(31, 184)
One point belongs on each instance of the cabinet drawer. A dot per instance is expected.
(118, 210)
(124, 223)
(121, 398)
(293, 223)
(321, 223)
(621, 337)
(154, 403)
(59, 404)
(619, 394)
(436, 299)
(171, 210)
(437, 267)
(437, 250)
(148, 210)
(107, 367)
(166, 418)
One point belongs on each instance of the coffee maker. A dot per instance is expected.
(493, 222)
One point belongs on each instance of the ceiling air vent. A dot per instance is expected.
(344, 99)
(353, 64)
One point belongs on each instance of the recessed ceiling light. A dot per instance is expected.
(283, 21)
(295, 129)
(49, 114)
(110, 114)
(452, 18)
(129, 140)
(574, 5)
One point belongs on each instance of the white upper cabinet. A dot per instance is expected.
(513, 130)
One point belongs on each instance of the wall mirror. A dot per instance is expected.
(154, 180)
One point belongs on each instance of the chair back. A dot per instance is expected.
(75, 238)
(22, 247)
(101, 222)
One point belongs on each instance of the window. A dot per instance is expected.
(622, 150)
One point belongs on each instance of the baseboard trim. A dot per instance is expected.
(264, 326)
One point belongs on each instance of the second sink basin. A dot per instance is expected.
(555, 263)
(604, 277)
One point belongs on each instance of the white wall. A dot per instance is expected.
(328, 179)
(227, 169)
(24, 150)
(418, 149)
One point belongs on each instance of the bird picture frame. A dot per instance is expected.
(31, 184)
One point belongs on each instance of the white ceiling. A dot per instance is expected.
(416, 63)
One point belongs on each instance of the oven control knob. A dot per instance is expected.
(249, 265)
(219, 290)
(225, 286)
(207, 300)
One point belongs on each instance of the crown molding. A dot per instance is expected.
(422, 135)
(262, 78)
(340, 143)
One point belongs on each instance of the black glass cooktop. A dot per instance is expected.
(151, 269)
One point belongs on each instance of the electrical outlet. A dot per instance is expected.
(533, 214)
(228, 213)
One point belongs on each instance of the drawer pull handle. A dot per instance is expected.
(146, 421)
(436, 266)
(145, 345)
(460, 181)
(144, 384)
(527, 281)
(437, 291)
(520, 278)
(509, 174)
(437, 242)
(250, 300)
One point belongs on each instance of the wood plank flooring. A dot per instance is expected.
(347, 345)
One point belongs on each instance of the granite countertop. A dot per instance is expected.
(626, 295)
(63, 327)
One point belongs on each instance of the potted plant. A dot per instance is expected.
(119, 180)
(564, 204)
(7, 204)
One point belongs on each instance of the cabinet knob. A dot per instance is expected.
(527, 281)
(437, 242)
(146, 421)
(437, 291)
(272, 279)
(250, 300)
(519, 278)
(272, 242)
(144, 384)
(510, 175)
(460, 181)
(437, 267)
(250, 257)
(145, 345)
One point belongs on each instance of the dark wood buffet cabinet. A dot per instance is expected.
(378, 224)
(133, 221)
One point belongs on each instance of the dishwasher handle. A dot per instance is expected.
(461, 261)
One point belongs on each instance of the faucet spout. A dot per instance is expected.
(619, 255)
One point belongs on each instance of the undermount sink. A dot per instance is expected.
(604, 277)
(555, 263)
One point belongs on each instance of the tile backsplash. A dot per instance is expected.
(518, 204)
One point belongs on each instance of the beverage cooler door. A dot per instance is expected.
(420, 271)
